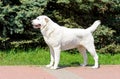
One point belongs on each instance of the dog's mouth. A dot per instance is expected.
(37, 26)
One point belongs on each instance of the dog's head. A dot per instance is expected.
(40, 22)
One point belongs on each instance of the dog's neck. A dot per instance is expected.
(48, 23)
(43, 27)
(48, 29)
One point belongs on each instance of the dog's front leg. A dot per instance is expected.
(57, 57)
(52, 57)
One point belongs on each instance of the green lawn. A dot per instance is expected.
(41, 57)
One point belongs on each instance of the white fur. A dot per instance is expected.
(61, 38)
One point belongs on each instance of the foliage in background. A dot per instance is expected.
(15, 22)
(16, 29)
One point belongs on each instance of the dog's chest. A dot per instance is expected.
(52, 41)
(49, 41)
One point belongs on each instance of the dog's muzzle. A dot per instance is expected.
(35, 24)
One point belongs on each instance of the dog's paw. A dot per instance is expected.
(54, 68)
(95, 67)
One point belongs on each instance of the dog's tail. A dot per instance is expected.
(94, 26)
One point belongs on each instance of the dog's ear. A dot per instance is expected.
(47, 20)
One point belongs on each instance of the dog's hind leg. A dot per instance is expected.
(91, 48)
(82, 50)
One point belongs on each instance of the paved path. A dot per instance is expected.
(35, 72)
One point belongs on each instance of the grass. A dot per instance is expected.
(42, 57)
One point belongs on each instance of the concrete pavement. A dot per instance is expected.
(36, 72)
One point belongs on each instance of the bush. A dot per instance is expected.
(16, 19)
(103, 36)
(112, 48)
(16, 29)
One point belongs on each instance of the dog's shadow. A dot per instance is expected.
(74, 64)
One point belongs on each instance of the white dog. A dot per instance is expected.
(61, 38)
